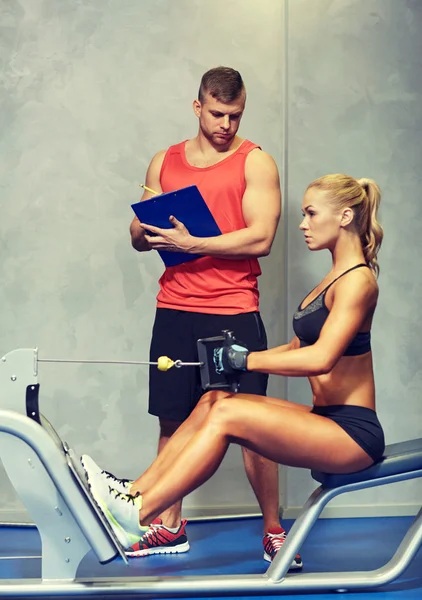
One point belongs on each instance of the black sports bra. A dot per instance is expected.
(308, 322)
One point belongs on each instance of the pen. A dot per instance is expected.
(148, 189)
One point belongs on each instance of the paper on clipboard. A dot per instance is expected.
(189, 207)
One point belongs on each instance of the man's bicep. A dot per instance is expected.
(262, 198)
(152, 178)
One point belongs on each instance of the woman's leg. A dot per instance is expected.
(176, 443)
(187, 430)
(287, 436)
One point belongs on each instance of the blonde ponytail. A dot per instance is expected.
(372, 234)
(363, 196)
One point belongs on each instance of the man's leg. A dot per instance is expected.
(172, 516)
(263, 477)
(166, 534)
(170, 399)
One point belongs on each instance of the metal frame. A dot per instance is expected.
(47, 478)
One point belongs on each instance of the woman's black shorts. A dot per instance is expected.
(360, 423)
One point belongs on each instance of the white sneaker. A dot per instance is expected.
(122, 512)
(104, 478)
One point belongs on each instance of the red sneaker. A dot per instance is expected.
(159, 540)
(273, 540)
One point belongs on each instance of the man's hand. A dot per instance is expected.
(175, 239)
(230, 358)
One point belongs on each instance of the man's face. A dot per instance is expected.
(218, 121)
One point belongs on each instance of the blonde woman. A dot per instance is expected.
(340, 432)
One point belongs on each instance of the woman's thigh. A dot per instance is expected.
(209, 399)
(289, 435)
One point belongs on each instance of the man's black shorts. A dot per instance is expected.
(174, 394)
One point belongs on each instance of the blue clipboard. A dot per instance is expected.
(188, 206)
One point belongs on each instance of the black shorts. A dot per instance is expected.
(360, 423)
(174, 394)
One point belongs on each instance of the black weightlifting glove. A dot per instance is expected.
(230, 357)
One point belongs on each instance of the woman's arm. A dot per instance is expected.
(292, 345)
(355, 297)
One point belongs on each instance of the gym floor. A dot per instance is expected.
(234, 547)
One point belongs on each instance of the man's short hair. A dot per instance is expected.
(223, 83)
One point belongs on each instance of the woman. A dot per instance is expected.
(340, 433)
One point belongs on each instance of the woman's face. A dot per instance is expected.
(320, 224)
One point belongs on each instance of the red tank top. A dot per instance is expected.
(209, 284)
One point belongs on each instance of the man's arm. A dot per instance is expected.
(137, 232)
(261, 205)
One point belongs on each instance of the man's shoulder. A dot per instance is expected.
(174, 148)
(177, 148)
(158, 158)
(258, 157)
(249, 143)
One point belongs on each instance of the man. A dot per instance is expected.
(200, 298)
